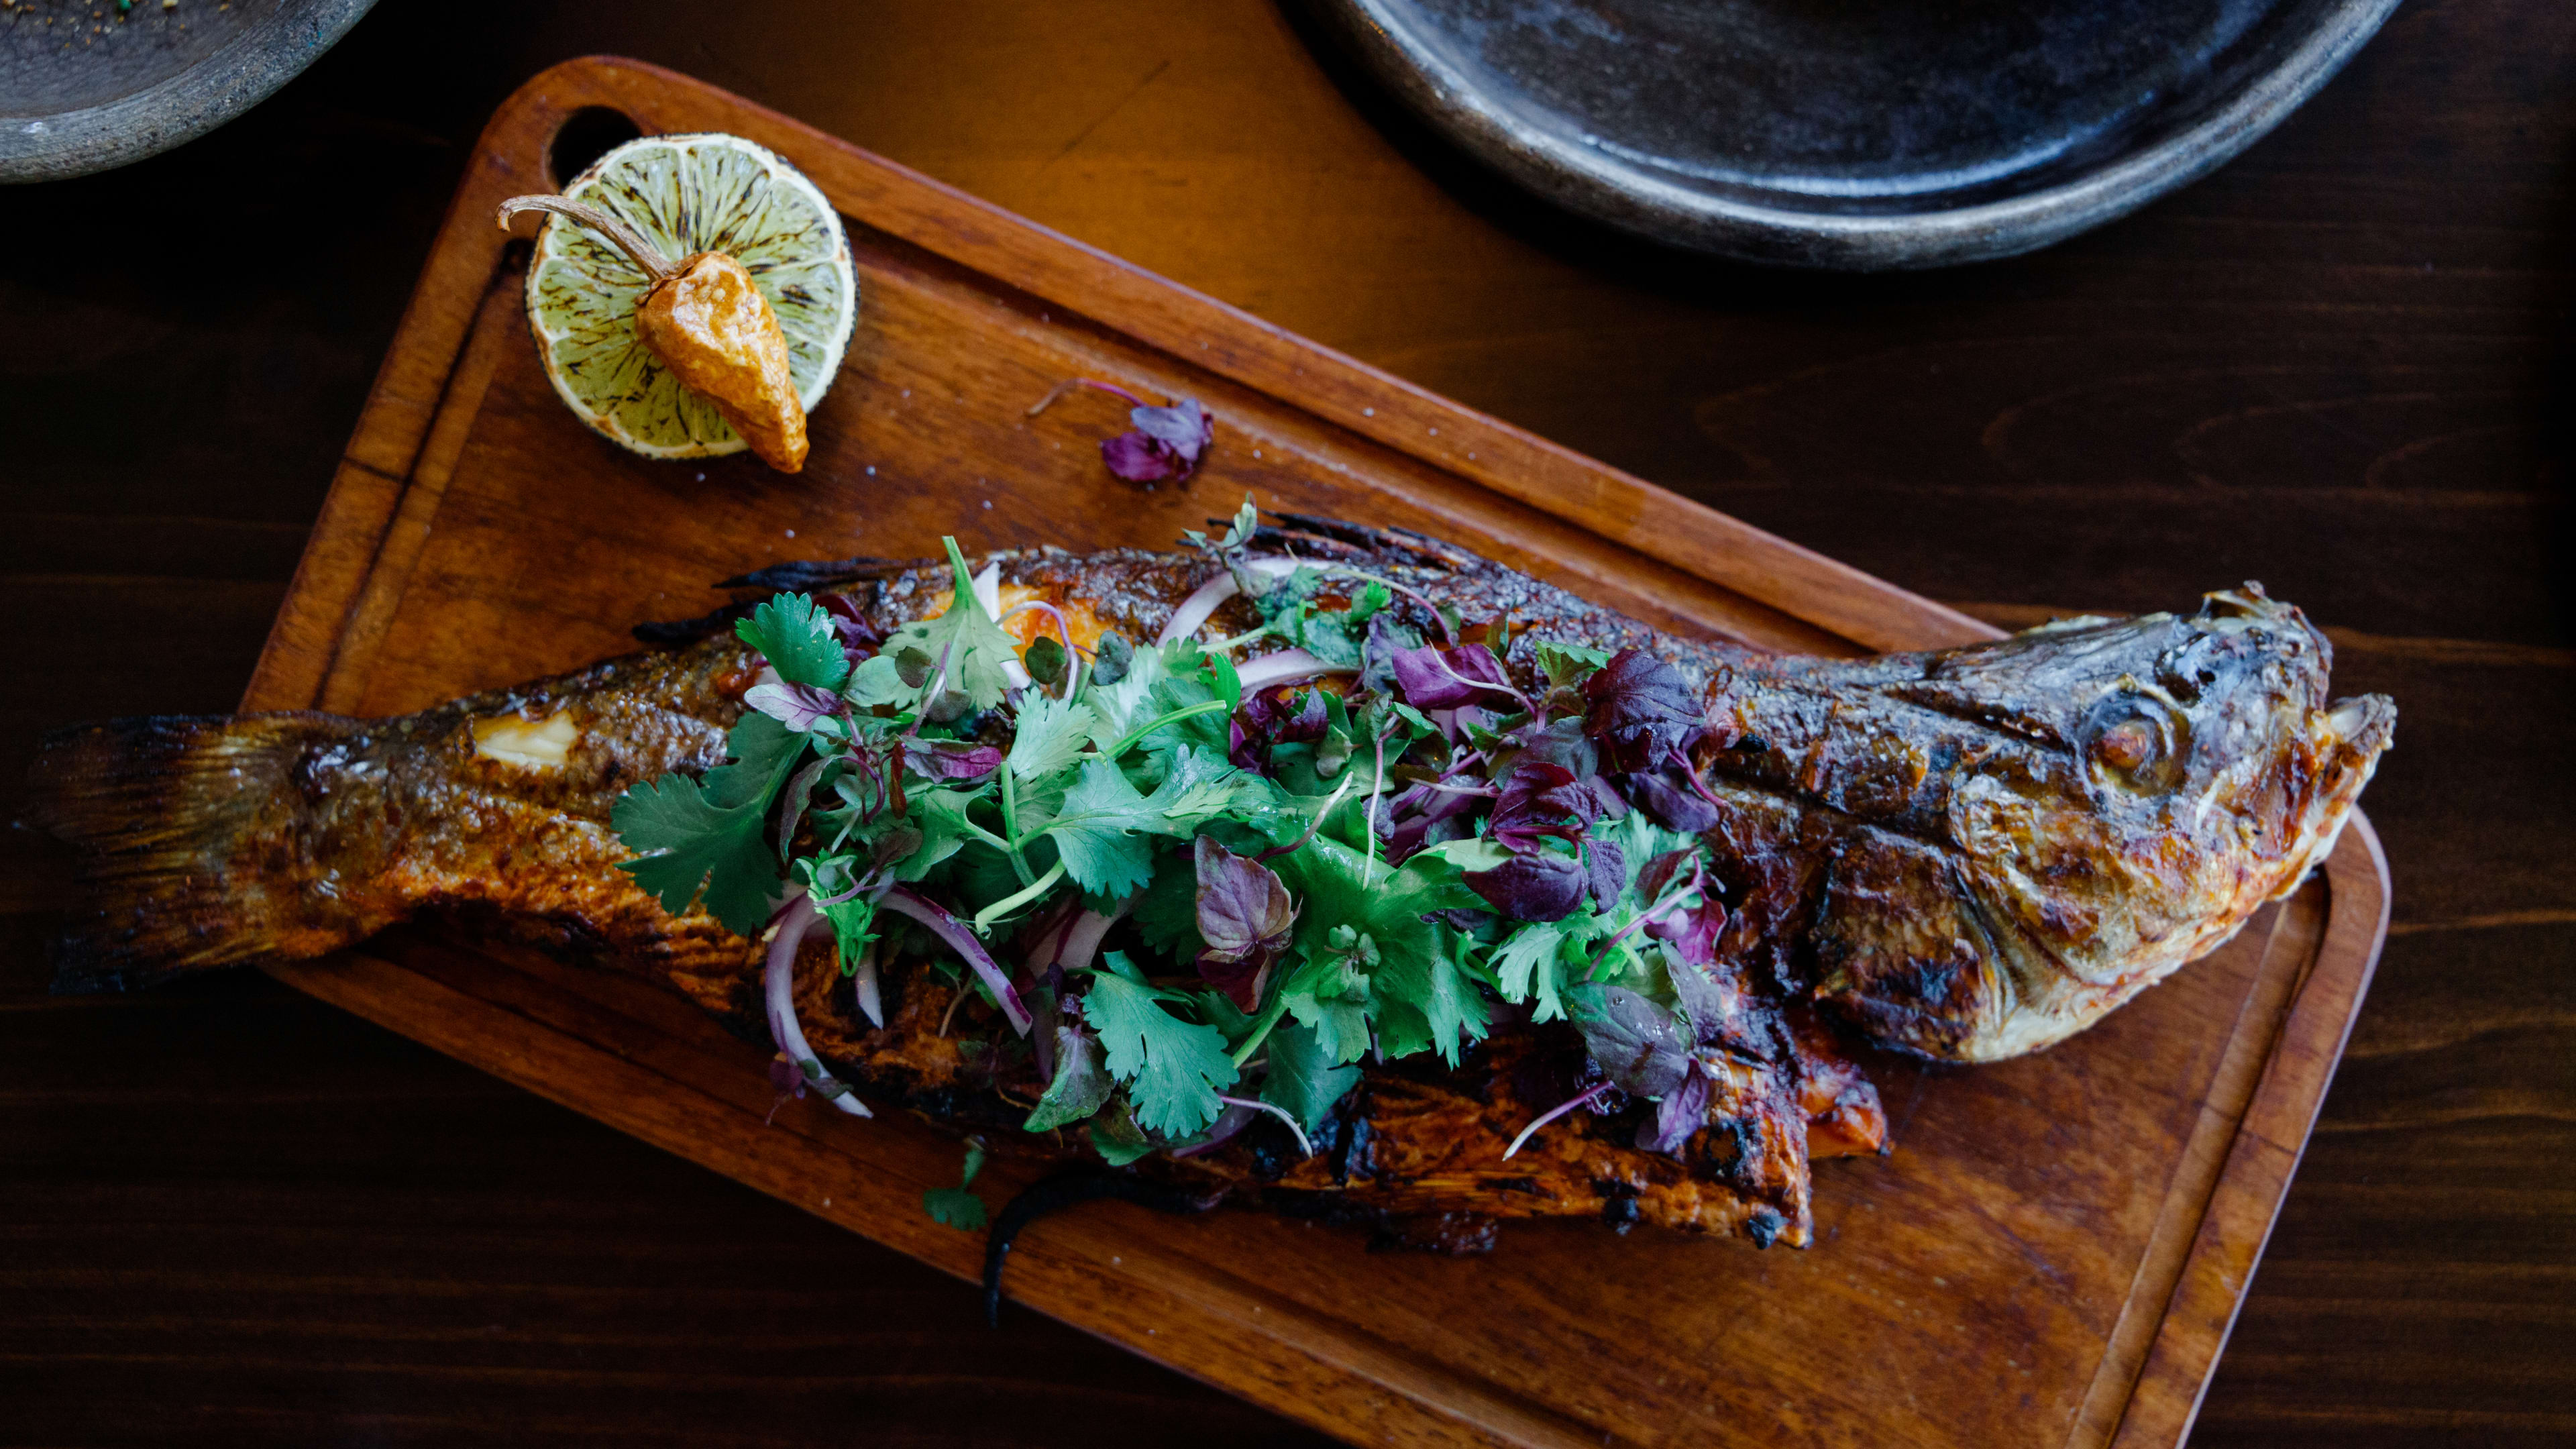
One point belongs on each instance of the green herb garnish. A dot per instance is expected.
(1438, 830)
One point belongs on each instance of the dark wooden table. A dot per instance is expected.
(2342, 365)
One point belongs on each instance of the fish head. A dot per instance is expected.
(2099, 802)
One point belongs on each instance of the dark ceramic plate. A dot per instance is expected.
(85, 86)
(1857, 134)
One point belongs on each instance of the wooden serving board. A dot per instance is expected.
(2052, 1255)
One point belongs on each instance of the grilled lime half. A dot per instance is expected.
(686, 194)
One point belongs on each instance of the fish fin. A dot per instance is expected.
(187, 829)
(1404, 544)
(671, 633)
(807, 574)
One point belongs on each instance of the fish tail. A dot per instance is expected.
(189, 830)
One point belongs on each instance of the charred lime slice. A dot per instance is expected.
(686, 194)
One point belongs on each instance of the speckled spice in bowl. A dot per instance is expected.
(85, 86)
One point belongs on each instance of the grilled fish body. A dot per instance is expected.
(1965, 855)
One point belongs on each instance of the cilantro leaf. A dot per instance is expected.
(877, 681)
(1304, 1080)
(689, 832)
(1567, 664)
(762, 751)
(1050, 734)
(1201, 785)
(975, 645)
(955, 1206)
(940, 815)
(798, 639)
(1227, 683)
(1166, 911)
(1128, 701)
(1093, 832)
(1341, 1027)
(1115, 1135)
(1529, 966)
(1420, 996)
(1172, 1067)
(693, 840)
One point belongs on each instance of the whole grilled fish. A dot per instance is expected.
(1963, 855)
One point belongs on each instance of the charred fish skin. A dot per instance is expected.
(1857, 811)
(2022, 835)
(216, 840)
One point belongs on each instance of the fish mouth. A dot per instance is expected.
(2353, 734)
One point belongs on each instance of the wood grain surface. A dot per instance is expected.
(233, 1215)
(2078, 1226)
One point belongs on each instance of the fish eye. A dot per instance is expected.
(2126, 746)
(2138, 738)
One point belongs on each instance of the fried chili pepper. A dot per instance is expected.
(709, 324)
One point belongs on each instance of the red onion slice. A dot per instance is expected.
(953, 932)
(780, 978)
(1083, 941)
(1229, 1124)
(1288, 666)
(1203, 601)
(863, 984)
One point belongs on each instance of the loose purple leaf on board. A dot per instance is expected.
(1167, 442)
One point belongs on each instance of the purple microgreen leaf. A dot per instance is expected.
(1138, 458)
(1167, 442)
(1078, 1083)
(787, 1078)
(1639, 710)
(1434, 678)
(1692, 930)
(1668, 800)
(950, 759)
(1636, 1043)
(1709, 1003)
(1541, 799)
(1607, 871)
(1425, 815)
(796, 706)
(1283, 715)
(1245, 915)
(1683, 1111)
(1386, 639)
(859, 634)
(1532, 887)
(1184, 427)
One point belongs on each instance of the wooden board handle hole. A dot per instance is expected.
(584, 137)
